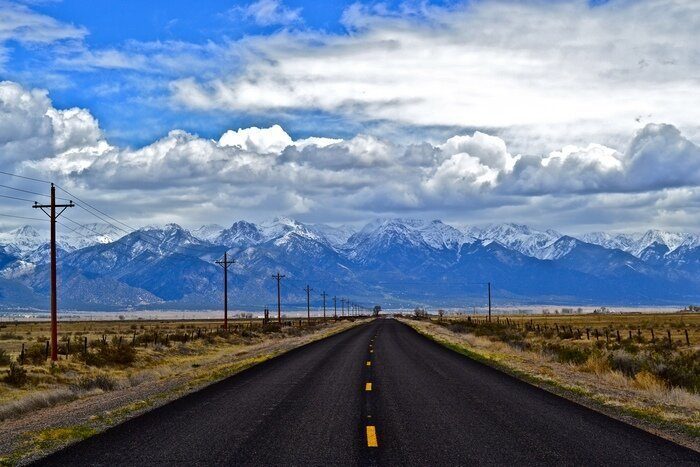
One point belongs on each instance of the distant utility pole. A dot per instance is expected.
(324, 295)
(279, 277)
(335, 307)
(308, 303)
(54, 301)
(342, 307)
(225, 263)
(489, 285)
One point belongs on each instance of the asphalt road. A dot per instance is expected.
(426, 406)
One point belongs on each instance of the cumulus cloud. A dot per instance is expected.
(261, 172)
(264, 140)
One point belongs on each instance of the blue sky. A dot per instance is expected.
(578, 115)
(127, 111)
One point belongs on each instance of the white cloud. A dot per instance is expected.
(269, 12)
(265, 140)
(262, 172)
(491, 64)
(20, 23)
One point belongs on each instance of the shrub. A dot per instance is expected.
(16, 375)
(6, 336)
(682, 370)
(35, 353)
(4, 357)
(104, 382)
(624, 362)
(568, 354)
(107, 354)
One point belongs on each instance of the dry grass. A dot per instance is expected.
(181, 347)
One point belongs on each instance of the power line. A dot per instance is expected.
(22, 217)
(30, 192)
(95, 209)
(18, 199)
(24, 177)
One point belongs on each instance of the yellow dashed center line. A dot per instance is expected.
(369, 363)
(368, 386)
(372, 437)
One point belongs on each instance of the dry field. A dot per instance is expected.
(129, 367)
(654, 384)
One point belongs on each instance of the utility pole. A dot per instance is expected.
(324, 295)
(308, 303)
(335, 307)
(54, 300)
(225, 264)
(279, 277)
(489, 284)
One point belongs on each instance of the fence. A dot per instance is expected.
(588, 333)
(73, 344)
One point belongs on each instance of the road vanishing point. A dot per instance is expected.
(376, 394)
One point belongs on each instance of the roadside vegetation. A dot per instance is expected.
(140, 363)
(611, 360)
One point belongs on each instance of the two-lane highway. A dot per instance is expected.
(376, 394)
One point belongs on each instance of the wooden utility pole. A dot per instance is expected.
(489, 284)
(335, 307)
(279, 277)
(54, 300)
(324, 295)
(225, 263)
(308, 303)
(342, 307)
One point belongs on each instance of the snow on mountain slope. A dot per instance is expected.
(22, 240)
(517, 237)
(624, 242)
(208, 232)
(25, 240)
(638, 243)
(336, 236)
(414, 232)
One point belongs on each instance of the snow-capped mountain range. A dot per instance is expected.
(398, 262)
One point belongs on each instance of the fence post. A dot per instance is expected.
(618, 335)
(21, 355)
(630, 332)
(687, 339)
(670, 341)
(588, 335)
(596, 334)
(46, 352)
(85, 344)
(653, 338)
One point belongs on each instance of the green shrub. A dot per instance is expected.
(16, 375)
(104, 382)
(35, 353)
(625, 362)
(682, 370)
(568, 354)
(109, 354)
(4, 357)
